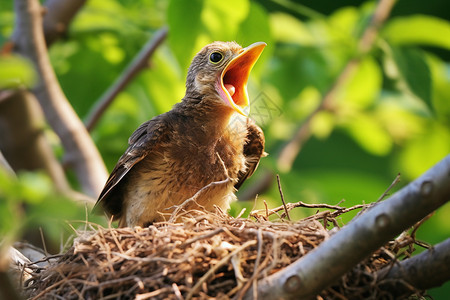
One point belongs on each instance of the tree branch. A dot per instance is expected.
(363, 235)
(434, 266)
(58, 16)
(139, 63)
(22, 138)
(81, 153)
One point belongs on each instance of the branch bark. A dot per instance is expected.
(81, 153)
(22, 138)
(427, 270)
(58, 16)
(139, 63)
(363, 235)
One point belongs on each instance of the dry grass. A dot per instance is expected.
(206, 256)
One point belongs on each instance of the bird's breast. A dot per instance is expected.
(179, 170)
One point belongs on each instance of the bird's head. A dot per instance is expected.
(221, 69)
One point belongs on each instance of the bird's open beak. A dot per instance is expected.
(233, 80)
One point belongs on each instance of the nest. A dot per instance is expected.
(207, 256)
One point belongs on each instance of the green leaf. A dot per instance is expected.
(368, 132)
(16, 71)
(418, 29)
(413, 71)
(424, 151)
(293, 68)
(363, 86)
(222, 19)
(163, 83)
(440, 75)
(288, 29)
(256, 28)
(185, 23)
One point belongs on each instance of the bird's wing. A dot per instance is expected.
(253, 151)
(141, 143)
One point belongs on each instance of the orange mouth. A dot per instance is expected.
(234, 78)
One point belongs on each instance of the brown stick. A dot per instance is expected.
(81, 153)
(386, 192)
(58, 16)
(22, 138)
(286, 211)
(139, 63)
(23, 141)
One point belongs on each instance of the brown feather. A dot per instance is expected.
(253, 151)
(144, 139)
(174, 155)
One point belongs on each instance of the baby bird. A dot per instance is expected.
(205, 138)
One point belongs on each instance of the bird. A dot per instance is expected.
(205, 138)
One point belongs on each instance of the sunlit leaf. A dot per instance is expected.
(322, 124)
(369, 134)
(256, 28)
(16, 71)
(164, 83)
(413, 72)
(344, 20)
(222, 19)
(294, 68)
(363, 86)
(440, 75)
(286, 28)
(401, 122)
(418, 29)
(422, 152)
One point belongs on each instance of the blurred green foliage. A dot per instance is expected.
(391, 115)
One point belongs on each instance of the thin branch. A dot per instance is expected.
(386, 192)
(139, 63)
(81, 153)
(434, 266)
(22, 138)
(23, 141)
(290, 206)
(58, 16)
(346, 248)
(286, 211)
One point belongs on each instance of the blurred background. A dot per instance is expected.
(386, 111)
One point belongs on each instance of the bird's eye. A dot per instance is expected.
(215, 57)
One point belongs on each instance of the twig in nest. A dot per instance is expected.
(211, 271)
(267, 209)
(396, 180)
(256, 269)
(282, 198)
(176, 291)
(178, 208)
(290, 206)
(385, 193)
(153, 294)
